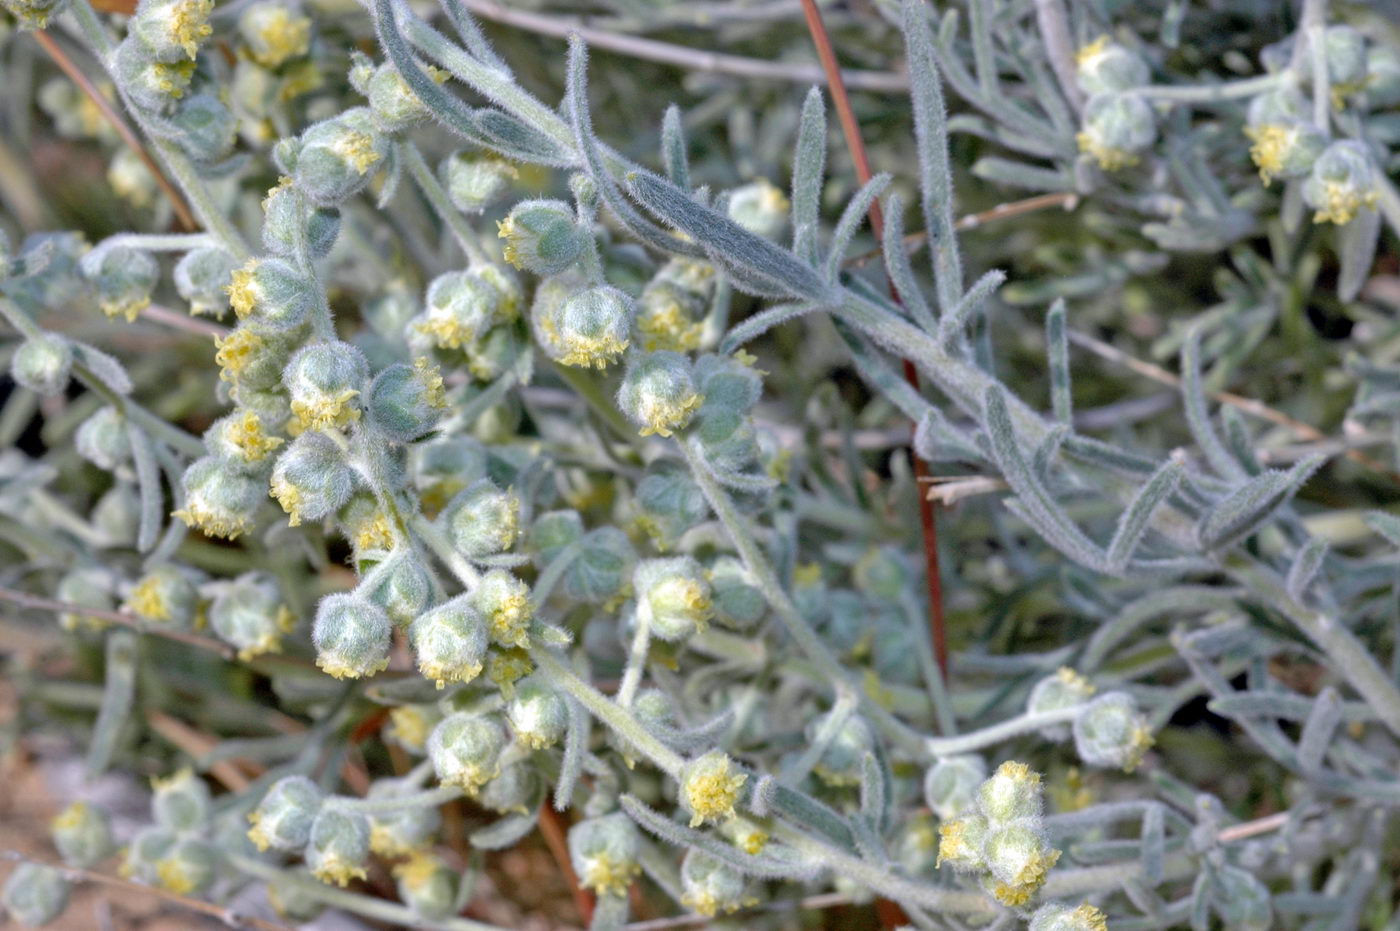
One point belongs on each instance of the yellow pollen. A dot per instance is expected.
(440, 673)
(172, 876)
(243, 291)
(339, 669)
(146, 600)
(1141, 742)
(71, 817)
(246, 435)
(326, 412)
(1087, 916)
(669, 327)
(1341, 201)
(663, 419)
(430, 377)
(1028, 880)
(1091, 51)
(212, 522)
(1075, 681)
(189, 23)
(1109, 158)
(174, 78)
(447, 331)
(374, 533)
(336, 869)
(607, 876)
(711, 789)
(357, 149)
(282, 36)
(952, 843)
(505, 229)
(236, 352)
(418, 870)
(289, 497)
(508, 667)
(410, 726)
(283, 183)
(510, 620)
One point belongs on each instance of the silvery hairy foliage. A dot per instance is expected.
(539, 458)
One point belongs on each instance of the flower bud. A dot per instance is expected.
(274, 291)
(147, 850)
(460, 308)
(1342, 182)
(339, 845)
(476, 181)
(351, 635)
(950, 786)
(552, 532)
(1383, 71)
(760, 207)
(406, 402)
(658, 393)
(1019, 858)
(1117, 128)
(1105, 67)
(881, 573)
(738, 602)
(152, 85)
(450, 642)
(1285, 150)
(710, 886)
(337, 155)
(290, 899)
(311, 479)
(1111, 732)
(842, 760)
(508, 666)
(83, 835)
(426, 885)
(35, 14)
(670, 503)
(203, 277)
(542, 236)
(283, 818)
(1012, 793)
(274, 33)
(394, 104)
(282, 213)
(482, 519)
(1344, 49)
(249, 614)
(171, 30)
(464, 749)
(42, 364)
(603, 567)
(588, 328)
(409, 726)
(538, 715)
(604, 852)
(673, 596)
(960, 843)
(1065, 689)
(103, 439)
(165, 595)
(398, 832)
(123, 279)
(88, 587)
(440, 468)
(400, 585)
(710, 787)
(499, 351)
(251, 359)
(515, 790)
(203, 126)
(188, 868)
(1056, 917)
(671, 310)
(240, 439)
(117, 514)
(130, 179)
(35, 894)
(324, 381)
(504, 602)
(180, 802)
(220, 498)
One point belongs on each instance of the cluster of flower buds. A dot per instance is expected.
(176, 852)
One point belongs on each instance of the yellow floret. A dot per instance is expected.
(607, 876)
(668, 326)
(147, 601)
(236, 352)
(289, 497)
(1091, 51)
(1108, 157)
(430, 377)
(1341, 201)
(327, 412)
(711, 788)
(1268, 146)
(246, 435)
(357, 149)
(663, 419)
(282, 36)
(189, 24)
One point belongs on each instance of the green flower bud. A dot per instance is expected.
(221, 499)
(274, 33)
(240, 439)
(165, 595)
(603, 567)
(1104, 67)
(552, 531)
(482, 519)
(1283, 105)
(400, 585)
(504, 602)
(311, 479)
(324, 381)
(251, 359)
(464, 750)
(203, 277)
(89, 588)
(281, 214)
(542, 236)
(499, 351)
(1019, 858)
(130, 178)
(841, 762)
(83, 835)
(180, 802)
(118, 513)
(398, 832)
(1345, 51)
(248, 613)
(351, 635)
(476, 181)
(35, 14)
(148, 849)
(1383, 69)
(460, 308)
(394, 104)
(152, 85)
(950, 786)
(673, 596)
(406, 402)
(710, 886)
(1342, 182)
(658, 393)
(426, 885)
(670, 503)
(171, 30)
(728, 383)
(103, 439)
(1111, 732)
(290, 899)
(122, 278)
(915, 847)
(188, 868)
(283, 818)
(442, 467)
(1012, 793)
(339, 845)
(450, 642)
(710, 788)
(1285, 150)
(42, 364)
(604, 853)
(336, 156)
(538, 715)
(273, 292)
(1117, 129)
(760, 207)
(1065, 689)
(516, 790)
(1056, 917)
(34, 894)
(739, 604)
(588, 328)
(881, 573)
(203, 126)
(960, 843)
(673, 305)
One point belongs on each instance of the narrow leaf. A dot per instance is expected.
(1305, 565)
(851, 219)
(952, 324)
(901, 272)
(764, 866)
(763, 321)
(1318, 729)
(1057, 351)
(1154, 843)
(118, 689)
(1197, 413)
(447, 108)
(1387, 525)
(1242, 512)
(673, 149)
(1356, 249)
(610, 913)
(808, 167)
(148, 484)
(505, 832)
(575, 748)
(473, 39)
(1138, 515)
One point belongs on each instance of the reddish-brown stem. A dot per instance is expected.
(851, 130)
